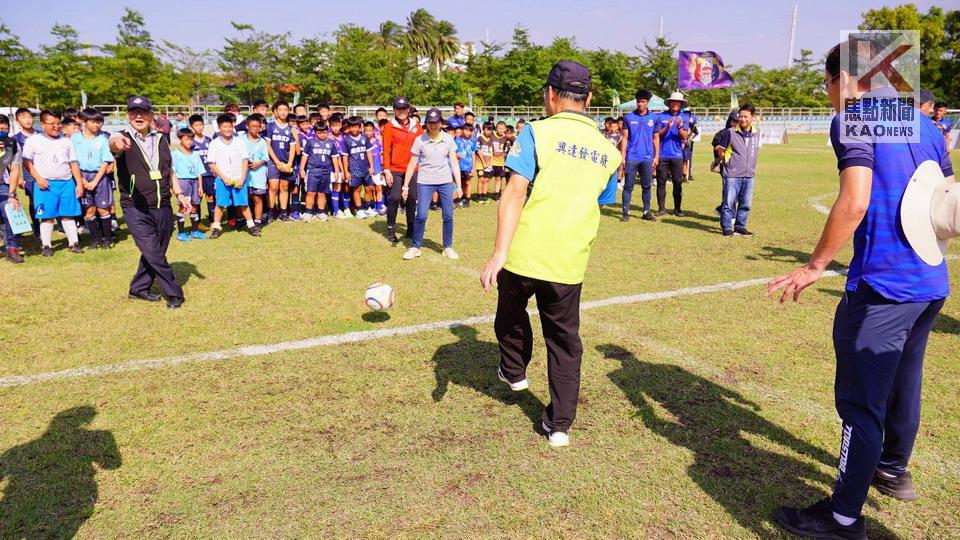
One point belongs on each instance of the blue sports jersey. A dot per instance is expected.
(377, 152)
(466, 148)
(671, 144)
(882, 256)
(281, 139)
(187, 167)
(456, 121)
(256, 151)
(943, 125)
(201, 146)
(91, 153)
(356, 151)
(320, 154)
(640, 134)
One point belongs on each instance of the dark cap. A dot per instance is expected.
(433, 115)
(570, 76)
(925, 96)
(139, 102)
(401, 103)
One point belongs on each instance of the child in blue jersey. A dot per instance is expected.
(376, 140)
(466, 148)
(257, 168)
(93, 158)
(188, 169)
(340, 190)
(359, 170)
(320, 162)
(282, 139)
(201, 145)
(298, 191)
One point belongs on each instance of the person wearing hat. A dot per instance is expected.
(640, 153)
(146, 183)
(435, 155)
(672, 131)
(398, 137)
(899, 202)
(543, 242)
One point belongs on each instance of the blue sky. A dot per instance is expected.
(747, 31)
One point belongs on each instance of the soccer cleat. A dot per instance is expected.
(517, 386)
(624, 218)
(742, 231)
(285, 217)
(47, 251)
(347, 214)
(215, 233)
(307, 218)
(198, 235)
(13, 256)
(411, 253)
(678, 212)
(392, 236)
(647, 216)
(898, 487)
(362, 214)
(75, 249)
(254, 231)
(322, 217)
(295, 216)
(183, 237)
(816, 521)
(382, 212)
(556, 439)
(450, 253)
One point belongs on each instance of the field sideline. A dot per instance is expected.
(701, 410)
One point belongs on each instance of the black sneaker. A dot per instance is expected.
(94, 245)
(624, 218)
(13, 256)
(898, 487)
(285, 217)
(661, 213)
(816, 521)
(215, 233)
(647, 216)
(727, 232)
(741, 231)
(254, 231)
(47, 251)
(678, 212)
(392, 236)
(75, 249)
(174, 303)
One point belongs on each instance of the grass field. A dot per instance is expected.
(700, 412)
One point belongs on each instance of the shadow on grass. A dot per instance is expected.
(697, 225)
(473, 364)
(51, 481)
(773, 253)
(375, 317)
(380, 227)
(711, 421)
(184, 271)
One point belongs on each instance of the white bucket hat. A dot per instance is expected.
(930, 212)
(677, 96)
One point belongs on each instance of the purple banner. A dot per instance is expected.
(702, 70)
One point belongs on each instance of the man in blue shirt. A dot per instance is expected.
(640, 153)
(940, 120)
(884, 317)
(671, 133)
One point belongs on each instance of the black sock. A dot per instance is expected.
(93, 228)
(211, 208)
(180, 223)
(106, 229)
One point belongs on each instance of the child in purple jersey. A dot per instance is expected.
(282, 147)
(359, 171)
(376, 141)
(304, 132)
(320, 162)
(340, 189)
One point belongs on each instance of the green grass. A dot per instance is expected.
(699, 414)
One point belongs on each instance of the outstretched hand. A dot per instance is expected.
(794, 283)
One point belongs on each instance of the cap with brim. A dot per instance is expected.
(139, 102)
(930, 212)
(677, 96)
(401, 103)
(433, 115)
(570, 76)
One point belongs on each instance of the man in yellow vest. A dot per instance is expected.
(543, 243)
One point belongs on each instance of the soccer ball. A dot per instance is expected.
(379, 296)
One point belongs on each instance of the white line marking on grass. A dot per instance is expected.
(817, 203)
(349, 337)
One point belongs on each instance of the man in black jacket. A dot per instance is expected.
(146, 182)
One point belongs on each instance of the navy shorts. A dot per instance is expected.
(357, 180)
(209, 186)
(318, 180)
(687, 151)
(191, 188)
(100, 196)
(274, 174)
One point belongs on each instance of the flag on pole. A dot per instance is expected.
(702, 70)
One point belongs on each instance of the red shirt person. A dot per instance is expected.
(398, 137)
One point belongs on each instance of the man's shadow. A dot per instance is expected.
(51, 486)
(185, 270)
(713, 422)
(473, 364)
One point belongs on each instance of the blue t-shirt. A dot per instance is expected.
(640, 129)
(356, 151)
(281, 139)
(187, 167)
(456, 121)
(200, 147)
(671, 144)
(91, 153)
(882, 256)
(943, 125)
(522, 158)
(320, 154)
(466, 148)
(377, 152)
(256, 151)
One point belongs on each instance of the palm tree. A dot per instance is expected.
(391, 34)
(447, 45)
(426, 37)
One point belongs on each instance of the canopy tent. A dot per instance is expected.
(656, 104)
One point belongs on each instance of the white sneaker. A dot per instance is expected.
(347, 214)
(307, 218)
(411, 253)
(556, 439)
(341, 215)
(515, 386)
(322, 218)
(450, 254)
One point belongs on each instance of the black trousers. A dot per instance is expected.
(559, 307)
(151, 229)
(394, 202)
(669, 169)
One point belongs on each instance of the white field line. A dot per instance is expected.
(349, 337)
(817, 203)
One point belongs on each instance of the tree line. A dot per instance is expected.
(421, 57)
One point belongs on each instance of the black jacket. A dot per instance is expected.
(133, 177)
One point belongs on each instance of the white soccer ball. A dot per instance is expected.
(379, 296)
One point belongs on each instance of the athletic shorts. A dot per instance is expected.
(231, 196)
(58, 200)
(274, 174)
(100, 196)
(465, 176)
(191, 188)
(357, 180)
(379, 179)
(687, 151)
(257, 191)
(318, 180)
(209, 186)
(497, 171)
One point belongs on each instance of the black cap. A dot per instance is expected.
(401, 103)
(570, 76)
(139, 102)
(925, 96)
(433, 115)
